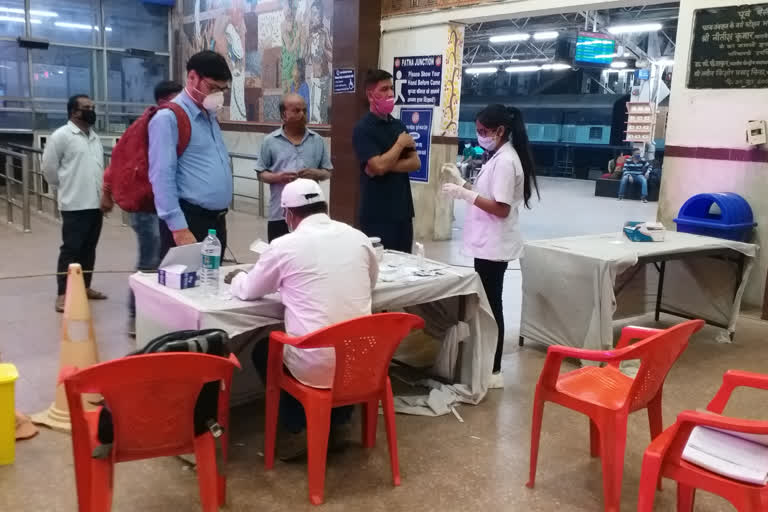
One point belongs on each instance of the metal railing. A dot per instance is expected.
(233, 157)
(16, 184)
(25, 185)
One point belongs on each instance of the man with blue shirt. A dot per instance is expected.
(192, 192)
(291, 152)
(635, 170)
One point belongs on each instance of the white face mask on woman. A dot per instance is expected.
(487, 143)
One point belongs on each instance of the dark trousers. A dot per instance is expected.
(492, 275)
(199, 221)
(395, 236)
(276, 229)
(291, 411)
(80, 231)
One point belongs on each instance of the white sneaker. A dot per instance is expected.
(496, 381)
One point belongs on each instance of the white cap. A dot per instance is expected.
(301, 192)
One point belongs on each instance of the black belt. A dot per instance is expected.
(194, 209)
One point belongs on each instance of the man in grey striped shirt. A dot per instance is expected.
(291, 152)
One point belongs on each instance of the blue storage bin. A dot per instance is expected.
(733, 222)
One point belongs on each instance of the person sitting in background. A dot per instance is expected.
(144, 224)
(468, 153)
(634, 170)
(325, 272)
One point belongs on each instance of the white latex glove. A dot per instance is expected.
(457, 192)
(451, 174)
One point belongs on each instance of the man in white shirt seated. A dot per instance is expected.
(325, 272)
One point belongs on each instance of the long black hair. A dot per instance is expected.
(511, 119)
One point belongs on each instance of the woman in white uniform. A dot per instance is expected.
(492, 226)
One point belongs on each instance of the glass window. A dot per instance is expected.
(136, 25)
(15, 121)
(73, 21)
(14, 72)
(60, 72)
(132, 79)
(12, 18)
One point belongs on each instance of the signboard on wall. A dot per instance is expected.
(418, 80)
(730, 48)
(418, 122)
(343, 80)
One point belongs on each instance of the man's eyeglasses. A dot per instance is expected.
(214, 87)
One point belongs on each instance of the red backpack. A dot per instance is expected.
(127, 177)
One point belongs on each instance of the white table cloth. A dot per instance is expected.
(570, 284)
(434, 297)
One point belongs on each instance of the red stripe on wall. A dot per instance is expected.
(730, 154)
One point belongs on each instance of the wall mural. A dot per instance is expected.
(454, 53)
(272, 47)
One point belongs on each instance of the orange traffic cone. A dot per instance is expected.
(78, 348)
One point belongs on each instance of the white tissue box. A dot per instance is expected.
(177, 276)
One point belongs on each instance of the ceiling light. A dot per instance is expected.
(546, 36)
(665, 62)
(481, 71)
(556, 66)
(510, 37)
(42, 14)
(522, 69)
(607, 56)
(619, 64)
(81, 26)
(627, 29)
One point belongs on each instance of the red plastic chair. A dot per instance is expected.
(364, 349)
(664, 456)
(607, 396)
(152, 399)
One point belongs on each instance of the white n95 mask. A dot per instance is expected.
(214, 101)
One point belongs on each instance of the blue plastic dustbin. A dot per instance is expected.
(733, 222)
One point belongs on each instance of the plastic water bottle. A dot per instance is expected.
(420, 264)
(209, 271)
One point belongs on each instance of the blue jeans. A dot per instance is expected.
(638, 177)
(148, 237)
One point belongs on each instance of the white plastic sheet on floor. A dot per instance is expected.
(435, 298)
(569, 284)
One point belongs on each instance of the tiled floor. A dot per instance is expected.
(480, 464)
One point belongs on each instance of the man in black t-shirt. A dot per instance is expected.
(387, 153)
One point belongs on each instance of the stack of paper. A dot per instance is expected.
(732, 454)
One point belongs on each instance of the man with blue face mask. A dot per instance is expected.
(387, 154)
(192, 191)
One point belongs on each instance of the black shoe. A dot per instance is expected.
(292, 448)
(338, 439)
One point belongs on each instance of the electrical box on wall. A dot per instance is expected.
(756, 133)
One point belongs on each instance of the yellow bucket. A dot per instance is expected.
(8, 376)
